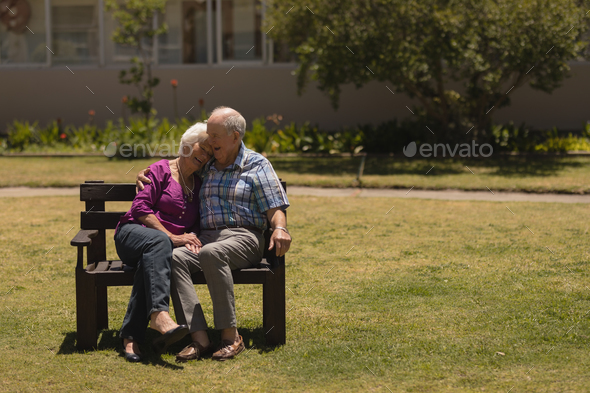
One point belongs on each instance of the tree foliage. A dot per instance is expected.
(461, 59)
(136, 28)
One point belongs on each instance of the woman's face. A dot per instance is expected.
(200, 155)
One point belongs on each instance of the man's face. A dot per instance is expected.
(221, 143)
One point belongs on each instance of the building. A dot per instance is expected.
(58, 61)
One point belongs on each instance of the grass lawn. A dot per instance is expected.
(383, 295)
(529, 174)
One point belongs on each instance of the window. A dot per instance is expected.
(194, 30)
(74, 31)
(187, 36)
(118, 53)
(193, 34)
(22, 32)
(240, 29)
(170, 44)
(79, 32)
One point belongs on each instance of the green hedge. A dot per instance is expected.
(267, 136)
(521, 139)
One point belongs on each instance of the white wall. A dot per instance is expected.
(46, 94)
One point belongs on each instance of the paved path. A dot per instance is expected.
(453, 195)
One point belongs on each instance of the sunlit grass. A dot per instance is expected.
(432, 296)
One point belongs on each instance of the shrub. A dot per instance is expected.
(389, 137)
(20, 135)
(555, 143)
(516, 139)
(302, 139)
(159, 136)
(259, 138)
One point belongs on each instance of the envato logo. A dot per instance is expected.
(464, 150)
(127, 150)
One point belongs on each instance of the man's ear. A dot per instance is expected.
(236, 136)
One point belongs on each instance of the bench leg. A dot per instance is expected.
(273, 307)
(86, 310)
(102, 312)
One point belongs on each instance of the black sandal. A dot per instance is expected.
(130, 357)
(162, 343)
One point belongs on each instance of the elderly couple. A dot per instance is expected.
(193, 214)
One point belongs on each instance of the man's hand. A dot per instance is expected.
(141, 179)
(193, 248)
(281, 240)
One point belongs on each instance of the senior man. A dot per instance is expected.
(240, 192)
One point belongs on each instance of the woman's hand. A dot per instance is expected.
(186, 240)
(193, 248)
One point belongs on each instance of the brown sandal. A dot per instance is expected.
(193, 351)
(229, 350)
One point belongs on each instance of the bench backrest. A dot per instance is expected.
(96, 192)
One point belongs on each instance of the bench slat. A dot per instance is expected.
(110, 273)
(116, 265)
(116, 278)
(101, 267)
(107, 192)
(99, 220)
(122, 278)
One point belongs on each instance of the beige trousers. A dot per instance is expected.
(223, 250)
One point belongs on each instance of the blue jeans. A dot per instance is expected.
(150, 252)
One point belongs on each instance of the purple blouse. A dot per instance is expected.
(164, 199)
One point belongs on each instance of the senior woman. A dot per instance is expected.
(164, 215)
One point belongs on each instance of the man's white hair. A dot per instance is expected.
(197, 133)
(232, 123)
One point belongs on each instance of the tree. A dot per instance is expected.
(136, 29)
(461, 59)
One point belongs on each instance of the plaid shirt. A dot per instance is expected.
(241, 193)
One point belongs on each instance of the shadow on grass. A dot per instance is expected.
(534, 165)
(508, 166)
(109, 340)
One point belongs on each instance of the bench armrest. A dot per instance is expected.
(84, 238)
(273, 260)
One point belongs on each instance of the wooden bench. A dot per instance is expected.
(99, 273)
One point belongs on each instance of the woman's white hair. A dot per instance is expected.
(197, 133)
